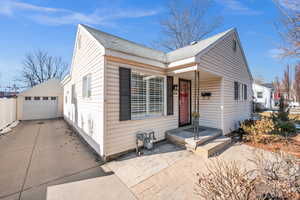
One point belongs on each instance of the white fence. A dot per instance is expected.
(8, 112)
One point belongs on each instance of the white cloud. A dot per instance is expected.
(238, 7)
(58, 16)
(275, 53)
(9, 7)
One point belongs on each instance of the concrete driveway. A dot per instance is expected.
(38, 154)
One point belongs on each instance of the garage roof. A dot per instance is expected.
(50, 87)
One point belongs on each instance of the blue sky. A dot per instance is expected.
(29, 25)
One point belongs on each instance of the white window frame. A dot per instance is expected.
(86, 86)
(147, 115)
(262, 95)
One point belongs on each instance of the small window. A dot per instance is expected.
(37, 98)
(259, 95)
(234, 45)
(27, 98)
(66, 99)
(45, 98)
(53, 98)
(86, 86)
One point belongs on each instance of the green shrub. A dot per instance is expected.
(286, 128)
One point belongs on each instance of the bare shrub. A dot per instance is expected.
(278, 176)
(274, 177)
(225, 181)
(259, 131)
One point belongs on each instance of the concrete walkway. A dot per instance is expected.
(170, 173)
(37, 155)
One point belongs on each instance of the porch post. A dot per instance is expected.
(195, 92)
(198, 91)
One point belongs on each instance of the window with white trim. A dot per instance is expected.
(259, 95)
(147, 96)
(86, 86)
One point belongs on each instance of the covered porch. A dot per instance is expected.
(199, 92)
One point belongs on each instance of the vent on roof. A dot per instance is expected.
(194, 42)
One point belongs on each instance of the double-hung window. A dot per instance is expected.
(147, 96)
(86, 86)
(236, 90)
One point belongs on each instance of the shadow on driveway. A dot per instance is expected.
(38, 154)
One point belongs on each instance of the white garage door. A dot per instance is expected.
(40, 108)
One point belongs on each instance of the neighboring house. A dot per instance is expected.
(264, 95)
(7, 94)
(43, 101)
(117, 87)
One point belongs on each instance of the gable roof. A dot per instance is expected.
(113, 42)
(50, 86)
(116, 43)
(196, 48)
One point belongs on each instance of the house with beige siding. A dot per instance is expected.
(117, 87)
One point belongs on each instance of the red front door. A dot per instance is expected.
(184, 102)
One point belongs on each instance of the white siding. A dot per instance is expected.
(50, 88)
(209, 108)
(222, 60)
(86, 114)
(120, 135)
(266, 101)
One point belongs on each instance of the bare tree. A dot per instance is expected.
(289, 27)
(187, 23)
(39, 67)
(259, 80)
(297, 81)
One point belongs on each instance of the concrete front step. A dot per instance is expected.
(212, 147)
(203, 138)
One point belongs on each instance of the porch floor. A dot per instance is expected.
(185, 137)
(209, 141)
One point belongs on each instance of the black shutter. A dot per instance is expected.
(170, 95)
(125, 93)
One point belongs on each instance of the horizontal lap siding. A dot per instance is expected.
(87, 114)
(120, 135)
(222, 60)
(209, 108)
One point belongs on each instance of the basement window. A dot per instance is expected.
(53, 98)
(27, 98)
(45, 98)
(37, 98)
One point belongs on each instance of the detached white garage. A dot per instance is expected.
(44, 101)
